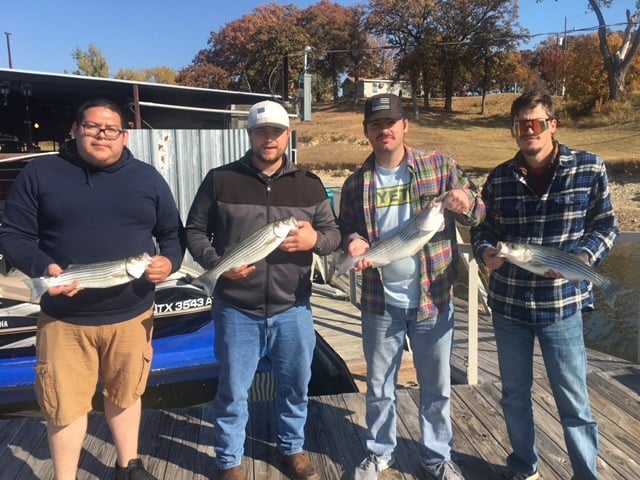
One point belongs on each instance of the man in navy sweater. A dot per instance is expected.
(92, 202)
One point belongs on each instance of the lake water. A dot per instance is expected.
(609, 330)
(615, 330)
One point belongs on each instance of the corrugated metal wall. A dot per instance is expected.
(184, 157)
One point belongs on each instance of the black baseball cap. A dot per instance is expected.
(383, 105)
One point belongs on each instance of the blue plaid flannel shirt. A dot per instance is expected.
(574, 215)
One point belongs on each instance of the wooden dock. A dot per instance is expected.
(176, 444)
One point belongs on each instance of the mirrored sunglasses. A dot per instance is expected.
(537, 125)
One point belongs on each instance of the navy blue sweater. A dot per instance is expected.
(62, 210)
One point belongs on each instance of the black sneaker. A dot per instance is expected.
(511, 475)
(134, 471)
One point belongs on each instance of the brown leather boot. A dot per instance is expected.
(233, 473)
(300, 467)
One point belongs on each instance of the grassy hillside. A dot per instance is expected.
(334, 139)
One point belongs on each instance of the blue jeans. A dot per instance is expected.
(565, 360)
(383, 339)
(241, 339)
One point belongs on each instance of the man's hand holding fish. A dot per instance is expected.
(491, 259)
(357, 247)
(457, 201)
(300, 239)
(159, 269)
(70, 290)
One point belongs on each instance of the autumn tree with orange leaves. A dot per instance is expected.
(440, 43)
(255, 50)
(617, 60)
(443, 47)
(339, 42)
(251, 48)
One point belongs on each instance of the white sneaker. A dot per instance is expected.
(370, 467)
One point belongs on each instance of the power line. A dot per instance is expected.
(574, 31)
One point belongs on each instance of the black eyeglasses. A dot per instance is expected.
(538, 125)
(110, 133)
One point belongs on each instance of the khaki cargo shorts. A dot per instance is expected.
(72, 359)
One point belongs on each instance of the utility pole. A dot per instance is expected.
(285, 77)
(306, 88)
(564, 57)
(7, 34)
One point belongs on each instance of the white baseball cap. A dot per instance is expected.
(267, 114)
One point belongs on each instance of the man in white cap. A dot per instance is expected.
(264, 306)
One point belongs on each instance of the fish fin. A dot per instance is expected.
(37, 286)
(541, 266)
(207, 282)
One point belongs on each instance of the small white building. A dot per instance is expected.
(367, 87)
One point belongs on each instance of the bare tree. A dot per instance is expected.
(617, 63)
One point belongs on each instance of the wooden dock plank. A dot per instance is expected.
(618, 430)
(327, 431)
(177, 444)
(338, 322)
(473, 431)
(408, 436)
(98, 456)
(27, 453)
(184, 449)
(265, 463)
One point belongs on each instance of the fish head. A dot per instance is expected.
(136, 266)
(281, 228)
(514, 251)
(431, 218)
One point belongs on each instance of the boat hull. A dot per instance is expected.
(184, 368)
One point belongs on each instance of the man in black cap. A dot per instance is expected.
(409, 297)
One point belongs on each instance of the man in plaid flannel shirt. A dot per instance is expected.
(553, 196)
(410, 297)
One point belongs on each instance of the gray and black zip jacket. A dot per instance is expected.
(235, 200)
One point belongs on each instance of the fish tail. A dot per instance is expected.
(611, 290)
(344, 262)
(207, 282)
(37, 286)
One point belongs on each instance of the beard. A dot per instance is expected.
(269, 158)
(531, 151)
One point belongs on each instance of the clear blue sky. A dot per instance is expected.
(149, 33)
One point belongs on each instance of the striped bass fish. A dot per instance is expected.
(252, 249)
(539, 260)
(92, 275)
(406, 242)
